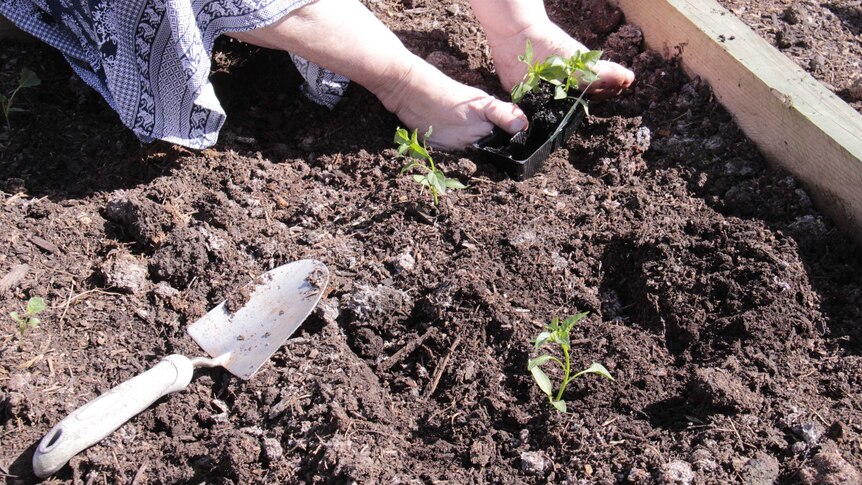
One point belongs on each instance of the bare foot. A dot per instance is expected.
(547, 39)
(459, 114)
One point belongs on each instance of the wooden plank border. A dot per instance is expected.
(796, 122)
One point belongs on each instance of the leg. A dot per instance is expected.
(509, 23)
(344, 37)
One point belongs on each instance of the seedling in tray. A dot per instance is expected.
(553, 113)
(432, 178)
(558, 333)
(563, 73)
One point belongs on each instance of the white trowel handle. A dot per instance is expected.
(98, 418)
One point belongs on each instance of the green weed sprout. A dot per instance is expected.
(559, 334)
(432, 178)
(27, 79)
(35, 306)
(563, 73)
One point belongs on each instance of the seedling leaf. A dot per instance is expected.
(454, 184)
(402, 137)
(595, 368)
(560, 92)
(538, 361)
(542, 380)
(528, 54)
(560, 405)
(553, 70)
(541, 339)
(437, 180)
(591, 57)
(35, 305)
(28, 79)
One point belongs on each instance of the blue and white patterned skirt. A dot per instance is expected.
(150, 59)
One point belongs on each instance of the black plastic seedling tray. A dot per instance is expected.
(516, 163)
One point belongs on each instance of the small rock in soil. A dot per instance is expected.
(402, 262)
(760, 470)
(465, 167)
(165, 290)
(535, 463)
(676, 473)
(327, 311)
(272, 449)
(721, 389)
(524, 239)
(367, 302)
(145, 220)
(643, 138)
(829, 468)
(126, 273)
(703, 460)
(809, 432)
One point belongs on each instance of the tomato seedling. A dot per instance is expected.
(558, 333)
(27, 79)
(431, 178)
(564, 73)
(35, 306)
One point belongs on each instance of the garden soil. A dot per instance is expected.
(725, 305)
(823, 37)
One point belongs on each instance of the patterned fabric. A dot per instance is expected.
(150, 59)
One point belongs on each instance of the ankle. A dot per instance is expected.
(394, 88)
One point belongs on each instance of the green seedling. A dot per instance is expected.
(431, 178)
(27, 79)
(558, 333)
(35, 306)
(563, 73)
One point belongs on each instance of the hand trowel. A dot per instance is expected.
(241, 342)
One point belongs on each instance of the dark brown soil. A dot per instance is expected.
(824, 38)
(727, 308)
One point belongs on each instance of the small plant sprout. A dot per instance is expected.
(27, 79)
(559, 333)
(563, 73)
(432, 178)
(35, 306)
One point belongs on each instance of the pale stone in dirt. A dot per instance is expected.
(535, 463)
(676, 473)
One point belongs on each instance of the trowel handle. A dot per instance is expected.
(98, 418)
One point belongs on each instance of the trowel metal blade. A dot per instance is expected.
(279, 303)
